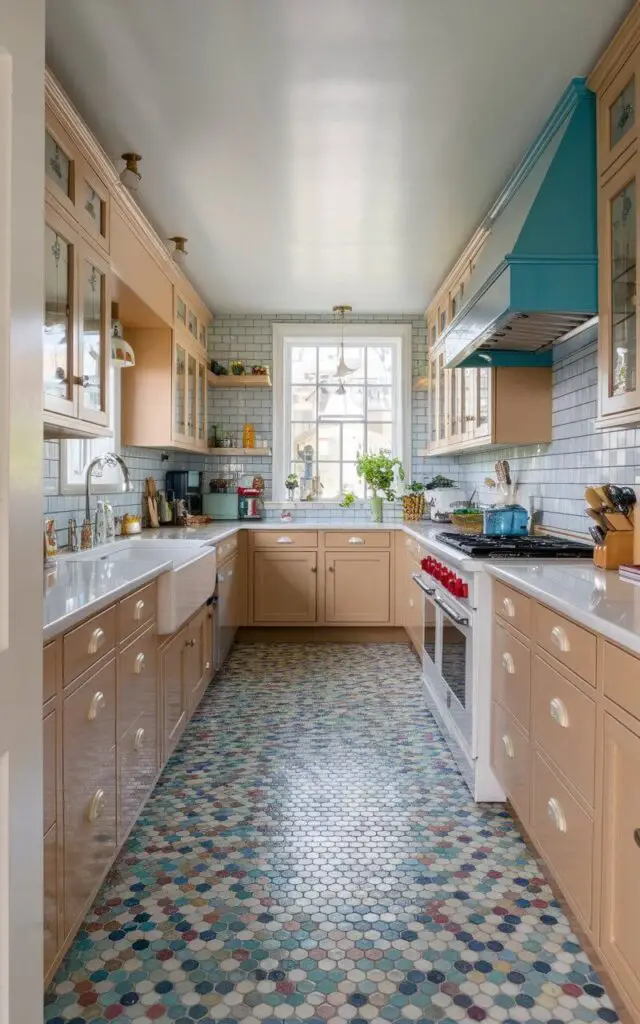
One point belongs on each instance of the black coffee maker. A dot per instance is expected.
(186, 484)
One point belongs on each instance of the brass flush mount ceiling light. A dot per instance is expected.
(130, 176)
(179, 254)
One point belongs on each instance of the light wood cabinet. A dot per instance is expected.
(172, 687)
(358, 587)
(196, 677)
(72, 184)
(284, 587)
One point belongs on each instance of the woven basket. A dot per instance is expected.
(471, 522)
(412, 507)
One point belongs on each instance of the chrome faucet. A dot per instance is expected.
(107, 459)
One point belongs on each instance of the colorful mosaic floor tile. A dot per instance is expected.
(312, 854)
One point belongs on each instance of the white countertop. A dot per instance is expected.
(596, 598)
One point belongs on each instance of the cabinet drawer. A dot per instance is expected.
(226, 548)
(137, 766)
(51, 663)
(84, 646)
(284, 540)
(564, 724)
(49, 769)
(136, 610)
(511, 674)
(51, 875)
(621, 677)
(572, 645)
(512, 606)
(89, 727)
(510, 759)
(137, 679)
(564, 833)
(356, 540)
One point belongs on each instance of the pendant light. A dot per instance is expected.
(130, 176)
(122, 354)
(342, 370)
(179, 254)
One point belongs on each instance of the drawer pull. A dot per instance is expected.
(509, 607)
(508, 663)
(314, 568)
(411, 602)
(138, 665)
(190, 643)
(558, 712)
(284, 540)
(138, 741)
(97, 640)
(207, 664)
(96, 807)
(138, 610)
(560, 639)
(508, 746)
(556, 814)
(636, 836)
(356, 540)
(98, 702)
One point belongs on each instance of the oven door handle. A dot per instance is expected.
(429, 591)
(461, 620)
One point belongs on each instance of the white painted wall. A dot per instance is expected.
(21, 233)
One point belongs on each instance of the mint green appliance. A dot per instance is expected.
(220, 506)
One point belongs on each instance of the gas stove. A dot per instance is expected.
(481, 546)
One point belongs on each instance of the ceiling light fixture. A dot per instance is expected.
(122, 354)
(130, 176)
(179, 254)
(342, 370)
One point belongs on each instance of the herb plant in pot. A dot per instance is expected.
(378, 472)
(413, 502)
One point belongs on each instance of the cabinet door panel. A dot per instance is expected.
(358, 587)
(52, 937)
(194, 653)
(174, 703)
(202, 404)
(284, 587)
(179, 418)
(618, 114)
(94, 355)
(137, 679)
(50, 769)
(620, 914)
(59, 322)
(137, 766)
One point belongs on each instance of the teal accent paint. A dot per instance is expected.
(503, 357)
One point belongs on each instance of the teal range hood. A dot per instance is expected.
(536, 276)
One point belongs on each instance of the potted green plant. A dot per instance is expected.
(413, 501)
(378, 472)
(291, 483)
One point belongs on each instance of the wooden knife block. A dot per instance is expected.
(619, 548)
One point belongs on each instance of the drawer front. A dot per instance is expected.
(51, 936)
(89, 727)
(572, 645)
(136, 610)
(84, 646)
(51, 657)
(511, 674)
(512, 606)
(50, 769)
(564, 724)
(337, 540)
(511, 759)
(226, 548)
(284, 540)
(621, 676)
(564, 833)
(137, 766)
(137, 679)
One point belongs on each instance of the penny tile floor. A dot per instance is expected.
(312, 854)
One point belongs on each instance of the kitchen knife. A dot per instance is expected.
(598, 517)
(597, 534)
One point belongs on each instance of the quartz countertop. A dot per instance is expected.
(596, 598)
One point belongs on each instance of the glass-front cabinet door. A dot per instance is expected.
(93, 338)
(618, 245)
(60, 166)
(179, 392)
(202, 404)
(59, 320)
(483, 425)
(442, 403)
(467, 397)
(192, 366)
(432, 418)
(618, 113)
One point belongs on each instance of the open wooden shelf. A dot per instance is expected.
(265, 452)
(244, 380)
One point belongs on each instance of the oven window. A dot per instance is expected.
(454, 660)
(429, 638)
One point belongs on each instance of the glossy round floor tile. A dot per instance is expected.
(312, 854)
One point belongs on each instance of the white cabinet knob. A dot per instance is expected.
(207, 664)
(285, 540)
(356, 540)
(560, 639)
(97, 640)
(508, 663)
(138, 664)
(508, 746)
(98, 702)
(555, 812)
(508, 607)
(96, 807)
(558, 712)
(138, 740)
(138, 610)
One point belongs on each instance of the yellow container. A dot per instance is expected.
(248, 436)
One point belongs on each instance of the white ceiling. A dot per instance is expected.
(321, 151)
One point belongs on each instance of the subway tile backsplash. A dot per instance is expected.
(552, 477)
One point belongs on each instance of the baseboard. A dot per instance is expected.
(321, 634)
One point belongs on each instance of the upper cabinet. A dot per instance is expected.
(616, 81)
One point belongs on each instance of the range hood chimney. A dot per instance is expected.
(536, 276)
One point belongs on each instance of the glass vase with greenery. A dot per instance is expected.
(379, 473)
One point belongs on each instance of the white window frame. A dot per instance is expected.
(289, 334)
(111, 478)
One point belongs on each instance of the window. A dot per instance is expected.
(76, 455)
(322, 421)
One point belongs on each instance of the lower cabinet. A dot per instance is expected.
(183, 676)
(511, 759)
(196, 676)
(284, 587)
(620, 910)
(51, 871)
(358, 587)
(137, 768)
